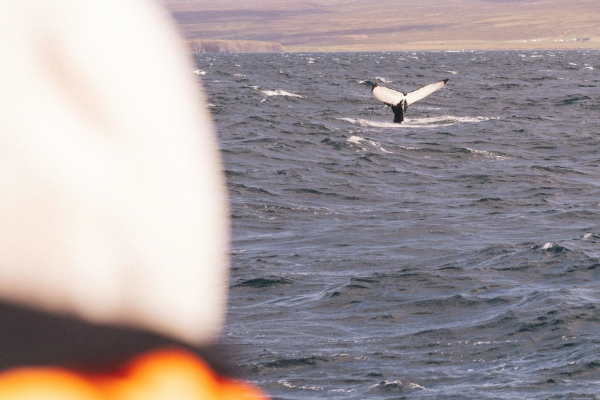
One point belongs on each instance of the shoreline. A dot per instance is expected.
(387, 25)
(215, 46)
(537, 45)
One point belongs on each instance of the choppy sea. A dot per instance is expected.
(454, 256)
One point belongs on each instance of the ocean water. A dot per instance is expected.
(454, 256)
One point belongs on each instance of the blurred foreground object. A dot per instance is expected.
(112, 200)
(155, 376)
(113, 208)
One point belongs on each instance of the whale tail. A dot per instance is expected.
(423, 92)
(398, 113)
(400, 101)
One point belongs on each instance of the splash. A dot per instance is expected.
(445, 120)
(366, 123)
(430, 122)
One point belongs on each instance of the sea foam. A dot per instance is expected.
(279, 93)
(361, 142)
(428, 122)
(491, 154)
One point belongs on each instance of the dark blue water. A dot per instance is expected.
(454, 256)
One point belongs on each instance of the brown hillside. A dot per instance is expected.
(345, 25)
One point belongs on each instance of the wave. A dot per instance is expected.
(430, 122)
(279, 93)
(384, 80)
(357, 140)
(410, 148)
(491, 154)
(553, 247)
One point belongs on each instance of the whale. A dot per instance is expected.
(399, 101)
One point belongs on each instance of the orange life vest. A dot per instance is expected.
(160, 374)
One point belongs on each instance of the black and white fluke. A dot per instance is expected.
(400, 101)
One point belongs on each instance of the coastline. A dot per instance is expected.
(201, 46)
(458, 45)
(428, 25)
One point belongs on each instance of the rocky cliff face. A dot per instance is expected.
(233, 46)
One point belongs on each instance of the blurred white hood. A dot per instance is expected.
(112, 199)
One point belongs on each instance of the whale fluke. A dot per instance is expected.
(400, 101)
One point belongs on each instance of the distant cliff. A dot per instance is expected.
(233, 46)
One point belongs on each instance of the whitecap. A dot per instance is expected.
(357, 140)
(589, 67)
(199, 72)
(304, 387)
(553, 247)
(491, 154)
(591, 235)
(239, 75)
(452, 72)
(384, 80)
(279, 93)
